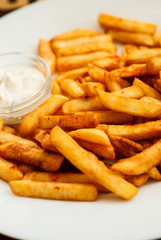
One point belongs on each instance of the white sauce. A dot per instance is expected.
(19, 84)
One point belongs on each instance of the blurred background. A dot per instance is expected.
(7, 6)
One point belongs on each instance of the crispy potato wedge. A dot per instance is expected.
(50, 106)
(82, 104)
(124, 24)
(72, 121)
(1, 124)
(53, 190)
(9, 129)
(148, 91)
(127, 105)
(133, 38)
(141, 131)
(154, 65)
(63, 178)
(141, 162)
(9, 171)
(47, 54)
(78, 61)
(125, 146)
(76, 33)
(89, 164)
(113, 86)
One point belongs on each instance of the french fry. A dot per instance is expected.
(130, 92)
(96, 73)
(136, 132)
(25, 168)
(73, 121)
(33, 155)
(43, 138)
(50, 106)
(125, 146)
(77, 33)
(1, 124)
(72, 87)
(141, 162)
(8, 129)
(78, 61)
(91, 135)
(82, 104)
(53, 190)
(148, 91)
(57, 45)
(85, 79)
(130, 71)
(90, 165)
(109, 63)
(63, 178)
(154, 174)
(112, 117)
(145, 144)
(128, 105)
(124, 24)
(113, 86)
(47, 54)
(132, 37)
(85, 48)
(142, 55)
(157, 38)
(96, 148)
(138, 180)
(157, 84)
(154, 65)
(56, 90)
(9, 171)
(90, 88)
(76, 73)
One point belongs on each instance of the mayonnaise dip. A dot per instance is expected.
(19, 84)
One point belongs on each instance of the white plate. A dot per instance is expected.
(110, 217)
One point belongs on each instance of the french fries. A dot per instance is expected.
(154, 65)
(9, 171)
(72, 121)
(141, 162)
(109, 21)
(99, 109)
(129, 106)
(82, 104)
(88, 163)
(141, 131)
(148, 91)
(75, 34)
(78, 61)
(133, 38)
(62, 177)
(50, 106)
(52, 190)
(72, 87)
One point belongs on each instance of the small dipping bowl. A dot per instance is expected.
(14, 114)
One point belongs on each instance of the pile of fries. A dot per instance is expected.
(100, 131)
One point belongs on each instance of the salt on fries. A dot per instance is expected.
(100, 130)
